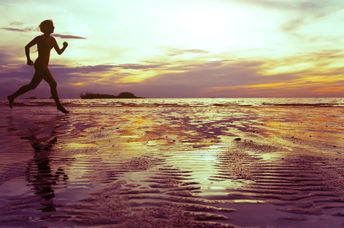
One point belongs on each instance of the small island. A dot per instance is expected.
(125, 95)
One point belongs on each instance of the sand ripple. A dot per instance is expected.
(173, 167)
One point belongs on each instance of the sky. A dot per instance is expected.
(179, 48)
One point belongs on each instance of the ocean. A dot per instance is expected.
(185, 102)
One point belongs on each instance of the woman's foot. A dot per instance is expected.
(62, 109)
(10, 101)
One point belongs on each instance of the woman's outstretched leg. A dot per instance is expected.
(53, 91)
(37, 78)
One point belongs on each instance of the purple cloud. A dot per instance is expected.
(222, 78)
(28, 29)
(69, 36)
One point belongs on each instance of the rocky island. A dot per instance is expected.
(107, 96)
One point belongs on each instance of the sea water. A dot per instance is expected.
(188, 102)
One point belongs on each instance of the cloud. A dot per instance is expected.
(66, 76)
(196, 82)
(316, 8)
(139, 66)
(293, 24)
(177, 52)
(28, 29)
(83, 69)
(322, 76)
(246, 78)
(185, 65)
(269, 4)
(17, 23)
(4, 57)
(69, 36)
(301, 13)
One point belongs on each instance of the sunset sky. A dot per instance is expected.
(180, 48)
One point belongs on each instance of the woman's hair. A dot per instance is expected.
(45, 26)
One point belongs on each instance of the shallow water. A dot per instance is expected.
(170, 162)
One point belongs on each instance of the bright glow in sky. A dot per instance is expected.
(180, 48)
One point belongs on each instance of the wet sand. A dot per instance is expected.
(174, 166)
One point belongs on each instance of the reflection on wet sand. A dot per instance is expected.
(39, 173)
(37, 178)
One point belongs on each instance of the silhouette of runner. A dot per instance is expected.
(44, 43)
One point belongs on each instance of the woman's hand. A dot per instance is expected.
(65, 44)
(29, 62)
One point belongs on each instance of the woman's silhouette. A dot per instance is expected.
(44, 43)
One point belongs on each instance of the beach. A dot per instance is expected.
(172, 163)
